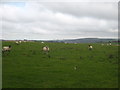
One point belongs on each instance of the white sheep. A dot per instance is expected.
(17, 42)
(20, 41)
(42, 42)
(65, 42)
(110, 44)
(102, 44)
(6, 48)
(46, 49)
(90, 47)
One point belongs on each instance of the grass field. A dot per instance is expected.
(26, 66)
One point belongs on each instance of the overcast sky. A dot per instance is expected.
(58, 20)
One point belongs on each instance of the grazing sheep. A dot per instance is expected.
(65, 42)
(102, 44)
(17, 42)
(20, 41)
(46, 50)
(6, 49)
(42, 42)
(90, 47)
(110, 44)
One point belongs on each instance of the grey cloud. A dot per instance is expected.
(101, 10)
(52, 21)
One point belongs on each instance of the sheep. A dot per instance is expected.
(102, 44)
(110, 44)
(42, 42)
(65, 42)
(20, 41)
(46, 50)
(17, 42)
(90, 47)
(6, 49)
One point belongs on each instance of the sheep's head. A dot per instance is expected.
(10, 46)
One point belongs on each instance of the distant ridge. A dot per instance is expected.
(85, 40)
(82, 40)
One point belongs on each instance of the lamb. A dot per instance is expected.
(6, 49)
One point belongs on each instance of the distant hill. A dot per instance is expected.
(85, 40)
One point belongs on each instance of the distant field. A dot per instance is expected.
(26, 66)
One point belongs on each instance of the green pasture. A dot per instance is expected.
(26, 66)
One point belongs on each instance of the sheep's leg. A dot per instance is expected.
(44, 52)
(7, 53)
(47, 53)
(8, 50)
(90, 49)
(49, 56)
(3, 52)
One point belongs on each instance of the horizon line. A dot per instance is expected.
(62, 39)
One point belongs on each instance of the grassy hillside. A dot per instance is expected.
(26, 66)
